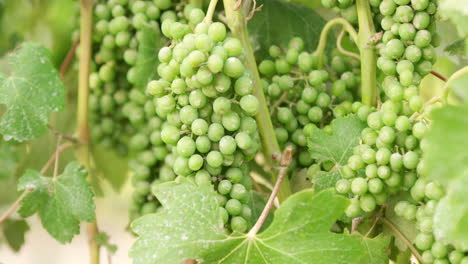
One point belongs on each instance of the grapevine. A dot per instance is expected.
(236, 131)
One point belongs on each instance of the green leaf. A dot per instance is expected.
(257, 202)
(451, 216)
(446, 157)
(337, 147)
(407, 227)
(30, 93)
(278, 22)
(190, 227)
(150, 41)
(102, 239)
(460, 87)
(62, 203)
(456, 48)
(14, 231)
(8, 161)
(323, 180)
(446, 160)
(455, 11)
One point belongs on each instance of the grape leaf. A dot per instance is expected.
(323, 180)
(62, 202)
(8, 161)
(278, 22)
(456, 48)
(14, 231)
(257, 202)
(460, 87)
(451, 216)
(150, 41)
(30, 93)
(446, 157)
(190, 227)
(446, 162)
(337, 148)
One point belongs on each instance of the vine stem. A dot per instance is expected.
(368, 53)
(82, 151)
(270, 145)
(324, 34)
(70, 54)
(209, 13)
(286, 158)
(398, 233)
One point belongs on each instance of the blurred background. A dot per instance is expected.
(53, 23)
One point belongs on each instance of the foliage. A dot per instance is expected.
(61, 203)
(298, 233)
(30, 93)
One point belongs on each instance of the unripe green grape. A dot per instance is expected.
(234, 207)
(367, 203)
(195, 162)
(387, 7)
(404, 14)
(233, 67)
(439, 250)
(227, 145)
(235, 175)
(239, 224)
(375, 186)
(188, 114)
(359, 186)
(217, 31)
(224, 187)
(249, 104)
(422, 38)
(419, 4)
(383, 172)
(354, 209)
(456, 257)
(267, 67)
(394, 48)
(371, 171)
(282, 66)
(343, 186)
(423, 241)
(434, 191)
(181, 167)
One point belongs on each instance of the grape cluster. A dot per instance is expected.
(204, 97)
(115, 44)
(425, 196)
(302, 97)
(407, 50)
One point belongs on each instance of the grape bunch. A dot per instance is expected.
(115, 44)
(408, 40)
(204, 97)
(302, 97)
(424, 198)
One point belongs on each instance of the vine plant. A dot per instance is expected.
(250, 137)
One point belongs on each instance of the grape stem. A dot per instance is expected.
(438, 75)
(68, 58)
(341, 49)
(400, 235)
(270, 145)
(368, 53)
(209, 13)
(286, 158)
(324, 35)
(44, 169)
(82, 151)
